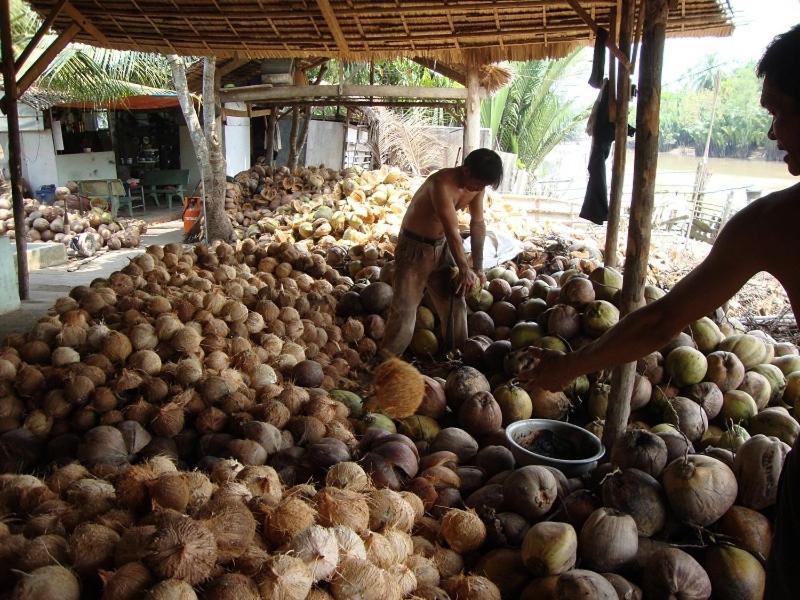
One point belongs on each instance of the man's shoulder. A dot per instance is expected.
(777, 204)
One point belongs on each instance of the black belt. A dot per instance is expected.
(421, 238)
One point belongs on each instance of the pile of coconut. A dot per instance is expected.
(151, 530)
(352, 205)
(259, 355)
(51, 223)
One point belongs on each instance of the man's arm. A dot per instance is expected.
(446, 213)
(733, 259)
(477, 231)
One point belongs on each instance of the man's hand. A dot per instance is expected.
(482, 277)
(465, 281)
(550, 371)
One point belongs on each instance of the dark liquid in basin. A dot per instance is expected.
(550, 444)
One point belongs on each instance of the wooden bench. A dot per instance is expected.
(167, 183)
(112, 192)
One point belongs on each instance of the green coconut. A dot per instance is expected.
(776, 379)
(686, 366)
(791, 393)
(789, 363)
(530, 309)
(425, 319)
(725, 369)
(606, 282)
(733, 438)
(378, 421)
(549, 548)
(352, 401)
(550, 342)
(653, 293)
(515, 403)
(705, 334)
(757, 385)
(777, 422)
(750, 349)
(578, 387)
(738, 407)
(483, 300)
(734, 573)
(540, 289)
(524, 334)
(598, 400)
(419, 427)
(599, 317)
(424, 343)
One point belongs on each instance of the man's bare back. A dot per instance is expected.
(421, 216)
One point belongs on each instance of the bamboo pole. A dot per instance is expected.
(266, 92)
(621, 135)
(472, 112)
(644, 179)
(14, 149)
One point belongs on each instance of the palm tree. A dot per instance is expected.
(530, 117)
(89, 74)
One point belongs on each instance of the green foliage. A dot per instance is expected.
(741, 124)
(531, 116)
(87, 73)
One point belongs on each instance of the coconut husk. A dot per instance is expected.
(399, 389)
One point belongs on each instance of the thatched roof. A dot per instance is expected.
(457, 31)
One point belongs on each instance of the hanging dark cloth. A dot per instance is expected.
(595, 202)
(599, 59)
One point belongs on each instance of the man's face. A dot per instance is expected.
(785, 129)
(471, 183)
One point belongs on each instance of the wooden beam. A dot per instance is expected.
(37, 37)
(362, 102)
(44, 60)
(644, 180)
(333, 24)
(623, 94)
(231, 66)
(472, 118)
(587, 18)
(442, 69)
(14, 148)
(86, 24)
(265, 93)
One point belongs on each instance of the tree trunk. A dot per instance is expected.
(217, 221)
(292, 160)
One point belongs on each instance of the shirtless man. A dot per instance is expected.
(761, 237)
(429, 245)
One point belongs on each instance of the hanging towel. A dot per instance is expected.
(595, 202)
(599, 59)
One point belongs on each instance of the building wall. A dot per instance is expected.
(39, 165)
(237, 141)
(9, 295)
(324, 144)
(88, 165)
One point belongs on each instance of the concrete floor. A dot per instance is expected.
(51, 283)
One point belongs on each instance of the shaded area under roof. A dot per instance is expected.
(458, 31)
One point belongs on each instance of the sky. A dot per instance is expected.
(756, 21)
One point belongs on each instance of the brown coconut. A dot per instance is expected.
(672, 573)
(579, 583)
(504, 568)
(284, 576)
(52, 581)
(749, 529)
(399, 389)
(638, 494)
(700, 489)
(639, 449)
(463, 530)
(608, 524)
(530, 491)
(183, 549)
(470, 587)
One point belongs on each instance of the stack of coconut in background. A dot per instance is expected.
(202, 424)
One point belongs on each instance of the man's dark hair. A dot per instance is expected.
(485, 165)
(781, 63)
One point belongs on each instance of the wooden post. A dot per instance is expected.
(644, 178)
(621, 135)
(472, 118)
(14, 150)
(272, 123)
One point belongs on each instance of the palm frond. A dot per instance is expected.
(402, 140)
